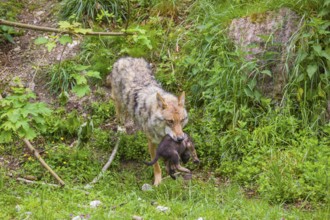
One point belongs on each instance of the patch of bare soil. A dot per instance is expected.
(26, 60)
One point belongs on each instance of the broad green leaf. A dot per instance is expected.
(35, 109)
(80, 79)
(40, 40)
(63, 97)
(257, 95)
(8, 126)
(300, 78)
(5, 137)
(76, 24)
(13, 115)
(81, 67)
(39, 120)
(50, 46)
(29, 108)
(22, 123)
(30, 134)
(311, 70)
(81, 90)
(302, 55)
(42, 108)
(45, 109)
(325, 54)
(94, 74)
(65, 39)
(248, 92)
(64, 25)
(252, 84)
(8, 37)
(317, 48)
(267, 72)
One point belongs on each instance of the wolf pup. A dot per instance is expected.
(172, 151)
(138, 96)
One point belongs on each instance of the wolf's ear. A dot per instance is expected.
(182, 99)
(161, 102)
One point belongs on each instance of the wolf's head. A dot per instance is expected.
(174, 115)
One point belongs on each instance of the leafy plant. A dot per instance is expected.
(51, 41)
(63, 125)
(113, 11)
(135, 147)
(19, 116)
(309, 79)
(68, 75)
(7, 33)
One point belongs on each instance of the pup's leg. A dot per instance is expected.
(183, 169)
(170, 169)
(157, 170)
(171, 172)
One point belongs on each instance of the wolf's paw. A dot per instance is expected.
(157, 181)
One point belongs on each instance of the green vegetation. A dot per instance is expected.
(111, 12)
(69, 75)
(19, 117)
(273, 150)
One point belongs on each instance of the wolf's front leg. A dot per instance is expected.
(157, 170)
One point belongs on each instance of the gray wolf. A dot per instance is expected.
(138, 96)
(172, 151)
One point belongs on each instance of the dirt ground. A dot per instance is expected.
(28, 61)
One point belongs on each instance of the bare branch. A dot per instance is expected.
(43, 163)
(48, 29)
(35, 182)
(106, 166)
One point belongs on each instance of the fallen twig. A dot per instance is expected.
(50, 184)
(48, 29)
(106, 166)
(35, 182)
(43, 163)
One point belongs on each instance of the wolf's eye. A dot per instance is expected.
(169, 122)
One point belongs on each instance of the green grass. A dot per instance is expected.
(121, 196)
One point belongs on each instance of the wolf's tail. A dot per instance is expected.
(153, 161)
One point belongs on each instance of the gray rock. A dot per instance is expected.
(162, 208)
(265, 37)
(18, 208)
(146, 187)
(95, 203)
